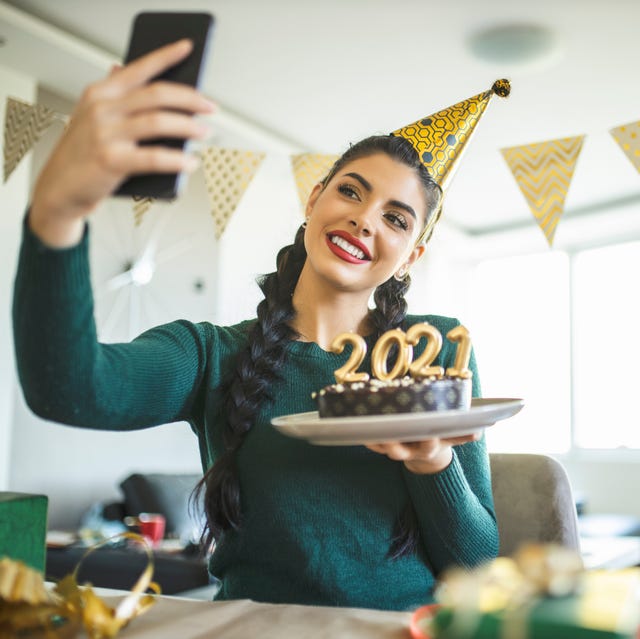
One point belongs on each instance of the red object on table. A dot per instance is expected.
(418, 621)
(152, 527)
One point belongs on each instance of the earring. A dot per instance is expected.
(304, 224)
(402, 273)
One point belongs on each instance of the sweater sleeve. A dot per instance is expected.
(67, 376)
(454, 507)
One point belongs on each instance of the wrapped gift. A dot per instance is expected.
(542, 593)
(23, 528)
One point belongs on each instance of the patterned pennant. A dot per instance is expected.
(227, 173)
(308, 170)
(628, 138)
(141, 204)
(24, 124)
(543, 172)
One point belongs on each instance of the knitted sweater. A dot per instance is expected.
(317, 522)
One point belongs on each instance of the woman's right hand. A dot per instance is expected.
(100, 149)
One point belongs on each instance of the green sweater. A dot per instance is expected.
(317, 521)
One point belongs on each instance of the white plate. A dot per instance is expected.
(407, 427)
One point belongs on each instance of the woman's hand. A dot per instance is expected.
(100, 149)
(425, 457)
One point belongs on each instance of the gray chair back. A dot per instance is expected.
(533, 501)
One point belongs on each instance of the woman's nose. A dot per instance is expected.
(363, 221)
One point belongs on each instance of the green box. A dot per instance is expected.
(550, 618)
(23, 528)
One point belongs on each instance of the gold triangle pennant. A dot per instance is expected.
(308, 170)
(141, 204)
(24, 124)
(543, 172)
(227, 174)
(628, 138)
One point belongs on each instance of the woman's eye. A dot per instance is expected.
(348, 190)
(397, 219)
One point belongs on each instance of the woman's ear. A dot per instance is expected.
(416, 254)
(313, 196)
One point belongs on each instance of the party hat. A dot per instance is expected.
(441, 138)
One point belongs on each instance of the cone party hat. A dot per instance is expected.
(440, 139)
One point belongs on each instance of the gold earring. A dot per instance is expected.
(401, 273)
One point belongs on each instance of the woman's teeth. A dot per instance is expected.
(349, 248)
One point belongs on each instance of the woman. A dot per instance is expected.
(349, 526)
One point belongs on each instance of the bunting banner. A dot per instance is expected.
(543, 172)
(227, 174)
(628, 138)
(24, 124)
(308, 170)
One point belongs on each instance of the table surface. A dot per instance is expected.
(173, 617)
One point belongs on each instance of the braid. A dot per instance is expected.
(391, 307)
(257, 369)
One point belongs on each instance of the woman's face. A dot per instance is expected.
(363, 225)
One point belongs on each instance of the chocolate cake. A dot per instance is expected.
(404, 395)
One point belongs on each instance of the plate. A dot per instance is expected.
(402, 427)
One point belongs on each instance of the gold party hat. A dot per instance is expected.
(441, 138)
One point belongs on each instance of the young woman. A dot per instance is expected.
(349, 526)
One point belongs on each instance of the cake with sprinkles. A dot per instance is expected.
(404, 395)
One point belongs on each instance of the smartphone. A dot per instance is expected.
(150, 31)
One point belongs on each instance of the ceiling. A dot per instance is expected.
(292, 75)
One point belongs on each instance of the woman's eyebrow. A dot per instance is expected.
(367, 186)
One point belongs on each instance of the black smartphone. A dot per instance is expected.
(150, 31)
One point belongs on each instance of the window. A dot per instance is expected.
(563, 333)
(520, 319)
(606, 338)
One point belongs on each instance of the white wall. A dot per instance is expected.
(13, 198)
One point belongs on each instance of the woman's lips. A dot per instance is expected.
(347, 247)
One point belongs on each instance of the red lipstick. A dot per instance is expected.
(344, 254)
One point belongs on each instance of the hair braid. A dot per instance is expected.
(257, 369)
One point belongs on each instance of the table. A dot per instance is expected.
(610, 552)
(119, 568)
(173, 617)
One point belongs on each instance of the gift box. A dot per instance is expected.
(605, 606)
(23, 528)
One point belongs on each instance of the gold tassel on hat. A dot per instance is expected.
(440, 138)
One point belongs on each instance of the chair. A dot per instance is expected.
(533, 501)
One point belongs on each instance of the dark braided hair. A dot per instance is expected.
(259, 364)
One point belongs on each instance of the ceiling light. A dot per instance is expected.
(515, 45)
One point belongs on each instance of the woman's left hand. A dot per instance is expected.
(425, 457)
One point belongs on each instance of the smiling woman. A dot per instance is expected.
(352, 526)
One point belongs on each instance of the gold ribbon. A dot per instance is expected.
(26, 605)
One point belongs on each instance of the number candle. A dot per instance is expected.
(380, 354)
(421, 367)
(347, 373)
(460, 366)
